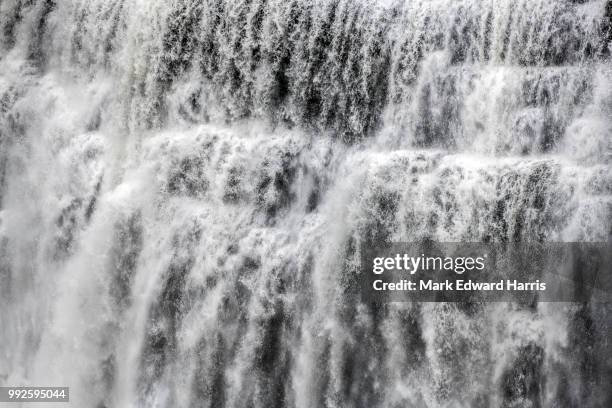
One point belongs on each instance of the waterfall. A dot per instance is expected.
(184, 186)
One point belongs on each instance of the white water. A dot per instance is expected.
(184, 185)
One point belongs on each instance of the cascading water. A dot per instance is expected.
(184, 184)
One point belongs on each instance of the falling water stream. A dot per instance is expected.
(184, 185)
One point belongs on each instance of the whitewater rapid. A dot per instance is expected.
(185, 186)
